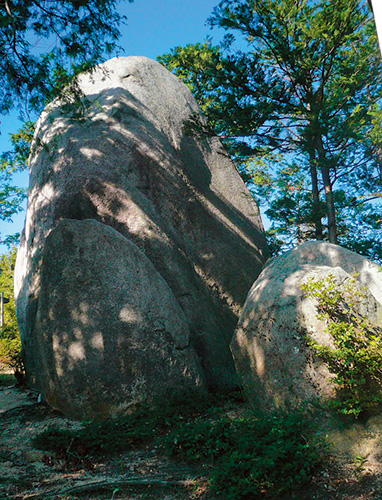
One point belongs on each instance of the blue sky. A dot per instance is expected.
(153, 27)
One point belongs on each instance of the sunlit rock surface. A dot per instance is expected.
(107, 338)
(270, 350)
(129, 164)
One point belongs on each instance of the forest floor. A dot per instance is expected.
(143, 474)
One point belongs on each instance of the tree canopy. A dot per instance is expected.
(44, 43)
(16, 160)
(299, 104)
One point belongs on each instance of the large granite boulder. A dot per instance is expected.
(270, 348)
(109, 330)
(128, 164)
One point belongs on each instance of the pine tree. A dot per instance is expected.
(303, 97)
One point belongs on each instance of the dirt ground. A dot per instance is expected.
(27, 473)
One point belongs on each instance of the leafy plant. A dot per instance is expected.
(10, 342)
(355, 359)
(10, 349)
(249, 457)
(360, 462)
(141, 425)
(6, 379)
(253, 457)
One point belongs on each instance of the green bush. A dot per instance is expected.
(249, 457)
(252, 457)
(6, 379)
(10, 349)
(143, 424)
(10, 342)
(355, 360)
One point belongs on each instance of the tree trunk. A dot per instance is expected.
(329, 196)
(315, 195)
(330, 208)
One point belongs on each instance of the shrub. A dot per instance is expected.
(356, 356)
(6, 379)
(249, 457)
(10, 348)
(10, 342)
(252, 457)
(142, 425)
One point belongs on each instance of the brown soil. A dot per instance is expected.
(29, 474)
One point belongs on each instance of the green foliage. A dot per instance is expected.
(16, 160)
(249, 457)
(79, 34)
(355, 359)
(141, 425)
(296, 90)
(294, 216)
(6, 379)
(10, 349)
(10, 343)
(200, 65)
(359, 224)
(360, 462)
(252, 457)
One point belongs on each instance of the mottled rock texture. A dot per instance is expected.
(106, 338)
(128, 164)
(269, 345)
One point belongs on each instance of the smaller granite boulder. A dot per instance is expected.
(109, 331)
(270, 349)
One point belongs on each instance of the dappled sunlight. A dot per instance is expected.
(127, 165)
(76, 352)
(42, 196)
(128, 315)
(80, 315)
(363, 439)
(336, 256)
(56, 346)
(259, 286)
(97, 341)
(90, 153)
(255, 352)
(270, 343)
(102, 348)
(124, 208)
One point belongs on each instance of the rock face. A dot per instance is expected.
(102, 329)
(269, 346)
(129, 165)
